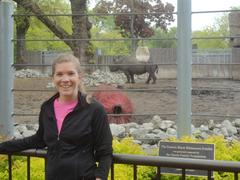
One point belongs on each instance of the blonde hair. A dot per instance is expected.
(63, 58)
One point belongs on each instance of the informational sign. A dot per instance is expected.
(186, 150)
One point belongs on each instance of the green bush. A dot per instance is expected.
(125, 172)
(19, 170)
(224, 150)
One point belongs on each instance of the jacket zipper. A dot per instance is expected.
(58, 133)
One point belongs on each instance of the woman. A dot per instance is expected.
(72, 126)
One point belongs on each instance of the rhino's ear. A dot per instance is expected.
(114, 59)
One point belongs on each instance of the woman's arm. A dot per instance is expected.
(102, 143)
(34, 141)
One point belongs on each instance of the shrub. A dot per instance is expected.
(19, 170)
(127, 146)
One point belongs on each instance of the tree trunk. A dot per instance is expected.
(20, 49)
(81, 27)
(81, 30)
(22, 26)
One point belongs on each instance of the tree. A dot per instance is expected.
(145, 15)
(110, 47)
(104, 28)
(80, 26)
(22, 26)
(219, 29)
(167, 39)
(29, 27)
(38, 30)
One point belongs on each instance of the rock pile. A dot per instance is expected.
(95, 79)
(103, 77)
(149, 134)
(29, 73)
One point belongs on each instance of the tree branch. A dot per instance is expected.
(35, 9)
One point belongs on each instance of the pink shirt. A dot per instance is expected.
(61, 110)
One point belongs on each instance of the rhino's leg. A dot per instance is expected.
(154, 78)
(128, 77)
(148, 79)
(132, 78)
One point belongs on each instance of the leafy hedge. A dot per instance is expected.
(223, 151)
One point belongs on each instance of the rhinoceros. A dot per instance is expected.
(129, 66)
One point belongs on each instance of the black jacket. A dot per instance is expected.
(85, 139)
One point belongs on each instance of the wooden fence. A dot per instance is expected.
(205, 63)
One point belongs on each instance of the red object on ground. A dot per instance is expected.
(115, 102)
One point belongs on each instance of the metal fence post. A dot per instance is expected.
(6, 69)
(184, 68)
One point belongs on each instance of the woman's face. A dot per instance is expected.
(66, 80)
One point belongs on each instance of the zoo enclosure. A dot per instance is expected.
(230, 69)
(169, 162)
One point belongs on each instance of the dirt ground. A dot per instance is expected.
(159, 98)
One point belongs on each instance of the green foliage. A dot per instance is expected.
(219, 29)
(110, 47)
(127, 146)
(139, 25)
(19, 170)
(38, 30)
(167, 39)
(22, 21)
(104, 28)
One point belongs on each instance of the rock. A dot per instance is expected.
(211, 124)
(150, 139)
(149, 134)
(117, 130)
(237, 122)
(226, 123)
(231, 130)
(171, 132)
(29, 73)
(129, 126)
(148, 126)
(28, 133)
(157, 131)
(204, 128)
(224, 131)
(164, 125)
(156, 120)
(162, 135)
(139, 133)
(21, 128)
(217, 131)
(137, 142)
(204, 135)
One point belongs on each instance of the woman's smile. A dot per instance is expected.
(66, 80)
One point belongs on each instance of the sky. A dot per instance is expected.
(201, 20)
